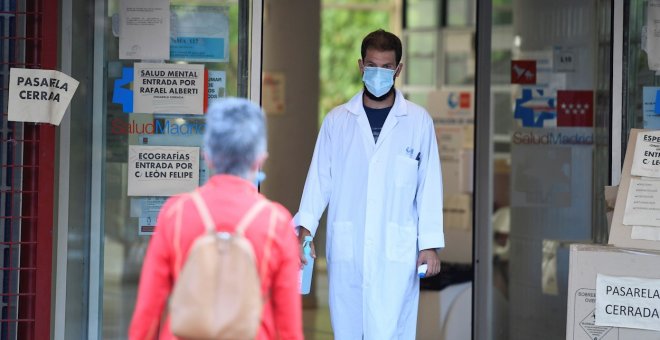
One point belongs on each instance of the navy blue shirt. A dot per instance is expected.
(377, 119)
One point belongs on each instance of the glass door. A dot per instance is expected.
(162, 62)
(541, 154)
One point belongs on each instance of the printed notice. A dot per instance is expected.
(144, 31)
(646, 161)
(653, 34)
(162, 170)
(40, 96)
(628, 302)
(643, 203)
(169, 88)
(200, 33)
(217, 84)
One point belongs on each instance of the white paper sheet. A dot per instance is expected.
(646, 161)
(162, 170)
(653, 34)
(39, 95)
(630, 302)
(645, 233)
(169, 88)
(643, 203)
(144, 31)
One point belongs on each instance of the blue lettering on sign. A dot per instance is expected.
(656, 107)
(197, 48)
(122, 95)
(533, 109)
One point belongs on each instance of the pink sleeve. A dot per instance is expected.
(156, 280)
(287, 304)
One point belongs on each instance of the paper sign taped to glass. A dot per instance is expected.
(646, 160)
(40, 96)
(169, 88)
(631, 302)
(653, 34)
(200, 33)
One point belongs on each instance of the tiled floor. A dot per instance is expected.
(316, 321)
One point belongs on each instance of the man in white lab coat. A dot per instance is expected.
(376, 165)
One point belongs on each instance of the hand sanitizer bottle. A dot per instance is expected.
(307, 270)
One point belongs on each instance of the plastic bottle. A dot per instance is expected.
(421, 270)
(307, 270)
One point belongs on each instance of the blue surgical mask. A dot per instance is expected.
(378, 80)
(259, 177)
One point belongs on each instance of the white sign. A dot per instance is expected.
(565, 59)
(169, 88)
(162, 170)
(628, 302)
(144, 31)
(646, 161)
(40, 96)
(217, 84)
(643, 203)
(653, 34)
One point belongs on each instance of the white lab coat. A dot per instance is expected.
(384, 205)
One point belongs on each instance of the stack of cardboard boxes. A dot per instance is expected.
(614, 290)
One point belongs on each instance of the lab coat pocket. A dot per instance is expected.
(405, 172)
(401, 243)
(342, 242)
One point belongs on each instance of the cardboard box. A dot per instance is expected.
(586, 261)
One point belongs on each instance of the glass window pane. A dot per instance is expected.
(129, 220)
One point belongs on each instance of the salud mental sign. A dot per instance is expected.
(39, 96)
(162, 170)
(169, 88)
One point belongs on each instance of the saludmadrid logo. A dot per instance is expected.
(119, 126)
(552, 138)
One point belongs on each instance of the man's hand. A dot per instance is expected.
(301, 239)
(430, 257)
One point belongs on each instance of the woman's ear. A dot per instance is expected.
(259, 162)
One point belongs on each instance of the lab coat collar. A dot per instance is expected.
(356, 106)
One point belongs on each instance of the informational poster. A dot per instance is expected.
(146, 209)
(646, 161)
(40, 96)
(144, 30)
(169, 88)
(643, 203)
(651, 107)
(200, 33)
(162, 170)
(217, 84)
(630, 302)
(273, 96)
(653, 34)
(454, 105)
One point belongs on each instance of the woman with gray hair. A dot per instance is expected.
(235, 150)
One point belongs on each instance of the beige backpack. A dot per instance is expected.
(218, 292)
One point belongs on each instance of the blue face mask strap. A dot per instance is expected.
(259, 177)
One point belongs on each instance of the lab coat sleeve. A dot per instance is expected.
(156, 281)
(429, 191)
(316, 193)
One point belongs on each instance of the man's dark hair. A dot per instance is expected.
(382, 40)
